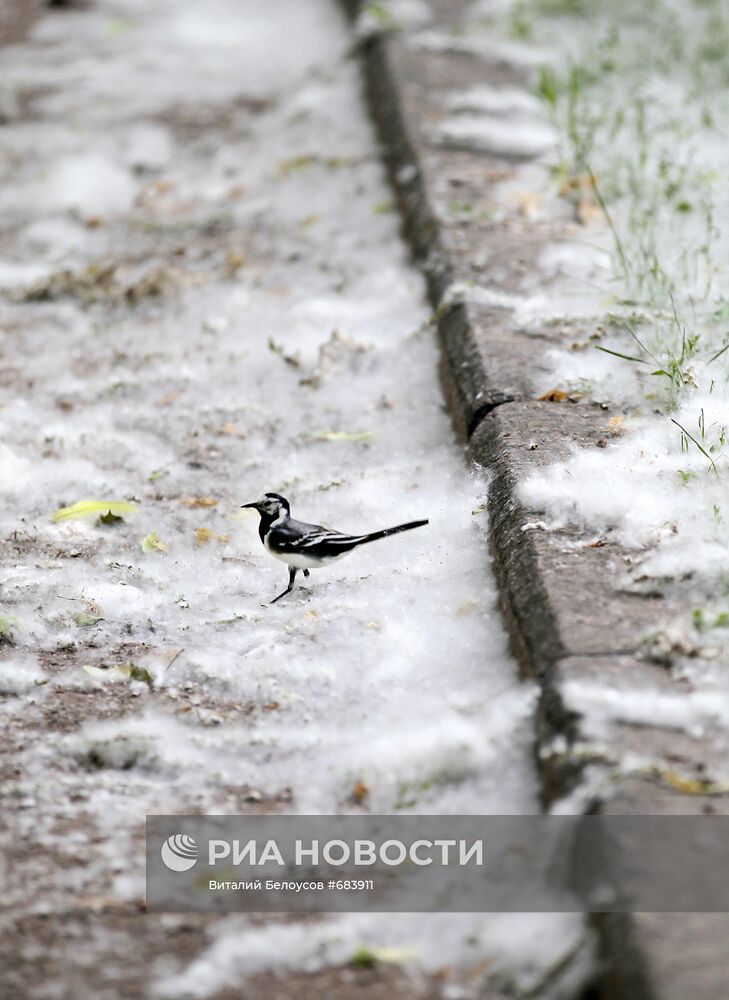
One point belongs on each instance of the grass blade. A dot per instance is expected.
(698, 445)
(625, 357)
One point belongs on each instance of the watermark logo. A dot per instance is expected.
(179, 853)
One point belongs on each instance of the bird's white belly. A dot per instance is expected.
(298, 560)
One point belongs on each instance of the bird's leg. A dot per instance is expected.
(306, 574)
(292, 577)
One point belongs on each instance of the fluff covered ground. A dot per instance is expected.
(620, 136)
(204, 297)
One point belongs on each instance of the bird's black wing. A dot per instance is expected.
(310, 539)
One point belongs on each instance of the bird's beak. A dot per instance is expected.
(254, 504)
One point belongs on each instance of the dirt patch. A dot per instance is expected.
(141, 941)
(16, 19)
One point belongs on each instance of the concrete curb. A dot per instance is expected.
(561, 593)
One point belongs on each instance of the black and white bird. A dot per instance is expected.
(307, 546)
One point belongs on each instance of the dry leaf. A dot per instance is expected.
(229, 428)
(150, 194)
(529, 203)
(576, 182)
(616, 426)
(588, 211)
(234, 261)
(200, 502)
(478, 971)
(93, 614)
(553, 396)
(96, 903)
(168, 398)
(360, 792)
(205, 535)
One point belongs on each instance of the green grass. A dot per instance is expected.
(634, 108)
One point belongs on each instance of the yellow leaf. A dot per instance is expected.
(384, 207)
(107, 673)
(395, 956)
(153, 543)
(286, 167)
(344, 435)
(118, 26)
(692, 786)
(120, 672)
(92, 508)
(242, 515)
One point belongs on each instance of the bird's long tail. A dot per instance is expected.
(390, 531)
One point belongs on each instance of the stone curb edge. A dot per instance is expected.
(524, 597)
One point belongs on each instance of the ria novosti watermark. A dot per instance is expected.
(437, 863)
(179, 853)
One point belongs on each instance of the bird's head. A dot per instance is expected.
(270, 505)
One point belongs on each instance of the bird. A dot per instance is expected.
(307, 546)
